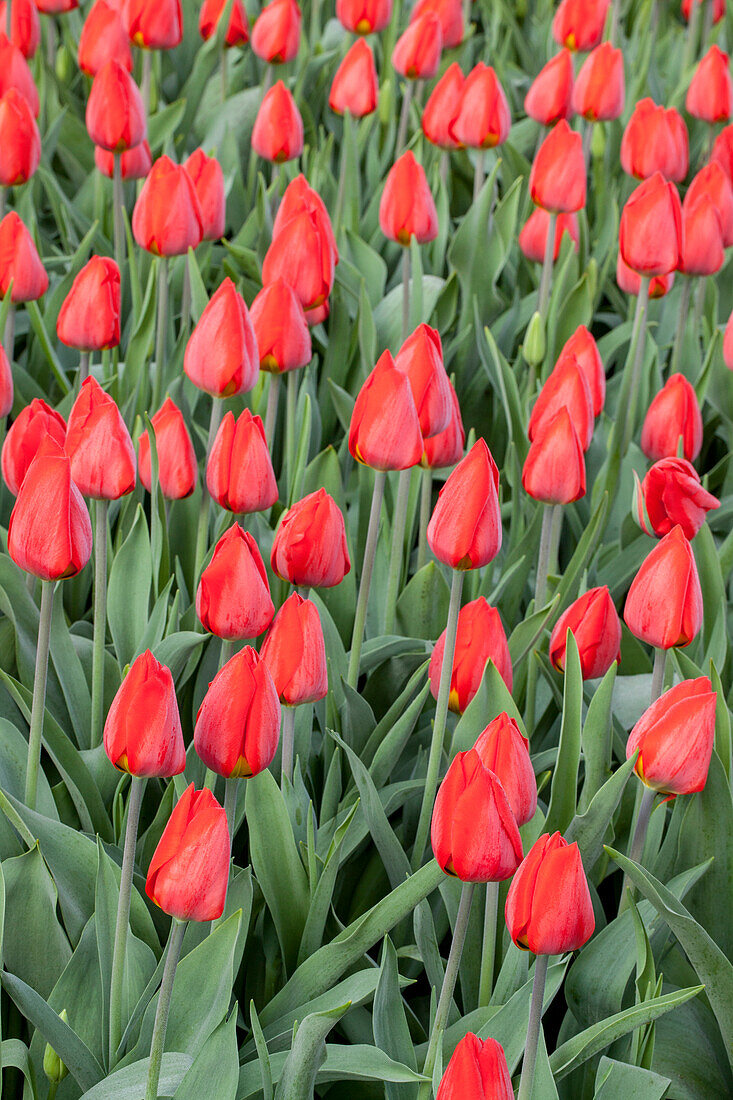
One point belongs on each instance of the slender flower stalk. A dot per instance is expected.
(478, 173)
(137, 788)
(186, 297)
(175, 942)
(397, 553)
(406, 271)
(84, 364)
(543, 300)
(636, 355)
(288, 743)
(162, 325)
(404, 119)
(488, 948)
(9, 335)
(357, 637)
(271, 413)
(117, 204)
(426, 494)
(683, 310)
(533, 1027)
(231, 790)
(540, 593)
(39, 694)
(291, 430)
(202, 532)
(100, 618)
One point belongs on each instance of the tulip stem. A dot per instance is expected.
(448, 987)
(9, 336)
(223, 71)
(341, 193)
(630, 399)
(405, 292)
(271, 413)
(397, 553)
(533, 1027)
(540, 593)
(288, 744)
(441, 714)
(157, 1045)
(543, 300)
(638, 840)
(186, 297)
(2, 189)
(488, 948)
(699, 306)
(404, 119)
(691, 40)
(39, 694)
(161, 331)
(683, 310)
(210, 779)
(478, 173)
(291, 405)
(231, 790)
(660, 662)
(117, 205)
(145, 82)
(426, 500)
(357, 637)
(202, 532)
(134, 803)
(227, 651)
(100, 619)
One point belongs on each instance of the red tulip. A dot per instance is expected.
(208, 181)
(103, 38)
(221, 355)
(406, 209)
(56, 7)
(650, 233)
(675, 737)
(25, 26)
(142, 733)
(533, 237)
(464, 531)
(233, 599)
(99, 445)
(167, 216)
(674, 414)
(50, 533)
(20, 141)
(557, 178)
(483, 119)
(583, 348)
(89, 318)
(364, 16)
(6, 384)
(722, 153)
(31, 426)
(550, 93)
(442, 108)
(238, 723)
(578, 24)
(671, 494)
(446, 448)
(594, 623)
(477, 1070)
(115, 115)
(239, 473)
(655, 140)
(20, 262)
(310, 548)
(505, 752)
(189, 871)
(480, 639)
(295, 652)
(712, 182)
(238, 29)
(416, 55)
(566, 388)
(14, 73)
(548, 907)
(134, 163)
(277, 135)
(702, 239)
(600, 91)
(710, 95)
(281, 329)
(355, 87)
(630, 281)
(664, 604)
(554, 469)
(301, 254)
(299, 198)
(385, 428)
(154, 24)
(276, 33)
(177, 466)
(421, 359)
(718, 9)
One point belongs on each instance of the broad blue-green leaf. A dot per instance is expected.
(619, 1081)
(128, 594)
(129, 1082)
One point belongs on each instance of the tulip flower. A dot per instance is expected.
(239, 473)
(309, 549)
(364, 16)
(299, 197)
(154, 24)
(674, 738)
(134, 163)
(208, 181)
(674, 414)
(446, 448)
(99, 445)
(480, 638)
(355, 88)
(406, 209)
(177, 465)
(600, 92)
(20, 140)
(277, 134)
(533, 238)
(505, 752)
(465, 529)
(276, 33)
(281, 329)
(20, 263)
(566, 388)
(89, 318)
(710, 95)
(385, 427)
(302, 255)
(167, 218)
(483, 119)
(722, 153)
(441, 109)
(664, 604)
(477, 1070)
(631, 282)
(450, 14)
(14, 73)
(712, 182)
(550, 93)
(238, 28)
(33, 424)
(115, 115)
(221, 356)
(671, 494)
(103, 38)
(554, 469)
(594, 623)
(56, 7)
(416, 55)
(702, 251)
(655, 140)
(578, 24)
(582, 347)
(25, 26)
(233, 599)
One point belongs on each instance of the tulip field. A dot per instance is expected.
(366, 418)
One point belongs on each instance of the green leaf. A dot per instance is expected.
(391, 1030)
(128, 594)
(589, 829)
(35, 946)
(526, 634)
(307, 1054)
(491, 699)
(129, 1082)
(597, 737)
(215, 1071)
(618, 1081)
(565, 776)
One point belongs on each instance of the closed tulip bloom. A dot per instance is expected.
(421, 359)
(208, 181)
(442, 108)
(142, 733)
(364, 16)
(557, 177)
(154, 24)
(554, 469)
(548, 907)
(167, 217)
(14, 73)
(115, 114)
(718, 9)
(600, 91)
(675, 738)
(710, 95)
(650, 233)
(238, 723)
(281, 329)
(417, 51)
(583, 348)
(385, 428)
(177, 466)
(674, 414)
(630, 281)
(25, 25)
(483, 120)
(189, 871)
(299, 197)
(480, 638)
(722, 153)
(671, 494)
(277, 134)
(477, 1070)
(594, 623)
(221, 355)
(233, 599)
(50, 533)
(664, 604)
(450, 14)
(355, 87)
(567, 387)
(702, 238)
(31, 426)
(712, 182)
(99, 445)
(20, 262)
(56, 7)
(505, 752)
(239, 473)
(464, 531)
(301, 255)
(238, 29)
(309, 548)
(446, 448)
(407, 209)
(276, 33)
(550, 93)
(103, 38)
(578, 24)
(655, 140)
(20, 141)
(89, 318)
(295, 652)
(533, 237)
(6, 384)
(135, 163)
(473, 832)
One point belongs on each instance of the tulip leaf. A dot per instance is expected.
(568, 587)
(491, 700)
(35, 946)
(504, 381)
(422, 606)
(215, 1071)
(589, 829)
(307, 1054)
(618, 1081)
(597, 739)
(563, 793)
(388, 312)
(391, 1030)
(129, 1082)
(128, 594)
(526, 634)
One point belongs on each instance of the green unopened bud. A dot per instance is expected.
(385, 103)
(534, 340)
(592, 275)
(64, 65)
(53, 1067)
(598, 141)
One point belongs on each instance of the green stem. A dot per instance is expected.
(227, 651)
(288, 744)
(84, 359)
(426, 500)
(441, 714)
(39, 694)
(540, 593)
(405, 292)
(533, 1027)
(134, 803)
(223, 71)
(2, 189)
(117, 206)
(202, 532)
(100, 618)
(231, 790)
(636, 851)
(638, 341)
(682, 312)
(186, 297)
(210, 779)
(315, 23)
(357, 637)
(548, 261)
(291, 405)
(660, 661)
(341, 193)
(9, 335)
(157, 1045)
(478, 173)
(699, 305)
(145, 82)
(161, 331)
(397, 552)
(488, 949)
(404, 118)
(271, 413)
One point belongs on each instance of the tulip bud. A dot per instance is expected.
(6, 384)
(594, 623)
(301, 254)
(664, 604)
(177, 466)
(295, 652)
(674, 414)
(554, 469)
(674, 738)
(702, 250)
(89, 318)
(710, 95)
(25, 25)
(450, 14)
(20, 141)
(550, 93)
(221, 355)
(309, 548)
(718, 9)
(14, 73)
(442, 108)
(650, 233)
(630, 281)
(99, 445)
(548, 907)
(54, 1069)
(189, 871)
(557, 178)
(355, 87)
(167, 217)
(299, 197)
(533, 237)
(406, 209)
(103, 38)
(385, 429)
(20, 263)
(416, 55)
(473, 832)
(582, 347)
(115, 114)
(31, 426)
(578, 24)
(238, 29)
(446, 448)
(134, 163)
(238, 723)
(483, 120)
(464, 531)
(711, 182)
(142, 733)
(505, 752)
(600, 91)
(566, 388)
(421, 359)
(239, 473)
(280, 327)
(154, 24)
(50, 533)
(655, 140)
(364, 16)
(233, 599)
(277, 134)
(722, 153)
(208, 181)
(535, 345)
(477, 1070)
(671, 494)
(276, 33)
(480, 638)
